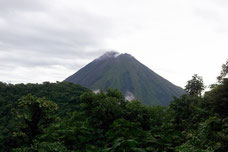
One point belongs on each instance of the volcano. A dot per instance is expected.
(132, 78)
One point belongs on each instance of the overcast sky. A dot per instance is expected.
(48, 40)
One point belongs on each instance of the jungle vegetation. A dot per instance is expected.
(65, 117)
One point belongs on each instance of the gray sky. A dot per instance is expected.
(44, 40)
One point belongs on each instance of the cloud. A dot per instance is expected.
(96, 91)
(129, 96)
(39, 34)
(12, 6)
(51, 31)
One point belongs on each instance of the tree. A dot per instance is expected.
(73, 131)
(33, 115)
(187, 111)
(103, 108)
(195, 86)
(217, 99)
(223, 72)
(43, 147)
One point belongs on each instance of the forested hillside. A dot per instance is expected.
(64, 117)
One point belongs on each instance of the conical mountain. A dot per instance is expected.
(132, 78)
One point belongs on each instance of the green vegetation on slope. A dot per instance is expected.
(127, 74)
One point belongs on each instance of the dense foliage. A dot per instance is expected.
(63, 117)
(195, 86)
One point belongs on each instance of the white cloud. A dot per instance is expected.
(129, 96)
(96, 91)
(174, 38)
